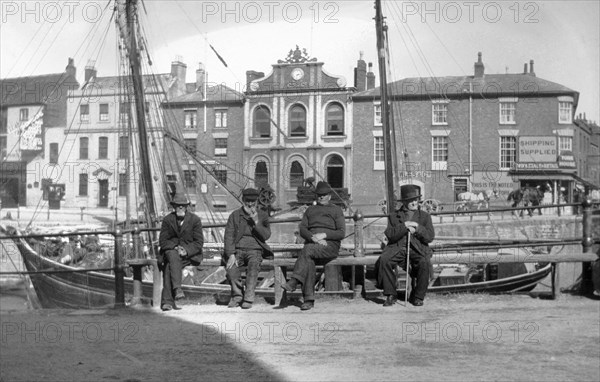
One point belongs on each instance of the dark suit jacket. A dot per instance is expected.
(397, 233)
(233, 234)
(189, 235)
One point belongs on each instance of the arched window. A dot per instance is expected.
(262, 122)
(335, 119)
(261, 174)
(297, 121)
(335, 171)
(296, 174)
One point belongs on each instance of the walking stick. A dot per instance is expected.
(408, 280)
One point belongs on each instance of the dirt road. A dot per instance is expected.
(463, 337)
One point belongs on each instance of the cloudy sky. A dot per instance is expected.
(427, 38)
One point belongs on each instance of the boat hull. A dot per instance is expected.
(92, 290)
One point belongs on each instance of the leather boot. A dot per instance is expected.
(390, 300)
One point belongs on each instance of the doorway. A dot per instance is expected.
(103, 193)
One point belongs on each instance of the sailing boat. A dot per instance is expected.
(60, 285)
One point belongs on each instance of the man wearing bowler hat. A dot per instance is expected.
(407, 217)
(246, 233)
(323, 228)
(181, 240)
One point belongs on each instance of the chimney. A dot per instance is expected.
(479, 68)
(531, 71)
(360, 74)
(70, 69)
(252, 75)
(178, 69)
(370, 77)
(200, 78)
(525, 68)
(90, 71)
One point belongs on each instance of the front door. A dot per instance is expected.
(9, 192)
(103, 193)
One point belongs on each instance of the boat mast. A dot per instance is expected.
(136, 77)
(385, 110)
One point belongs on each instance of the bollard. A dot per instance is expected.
(119, 271)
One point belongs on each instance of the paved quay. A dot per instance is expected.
(455, 337)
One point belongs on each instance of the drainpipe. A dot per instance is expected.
(470, 130)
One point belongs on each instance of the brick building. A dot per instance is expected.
(298, 124)
(208, 120)
(469, 133)
(31, 110)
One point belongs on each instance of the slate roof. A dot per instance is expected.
(488, 86)
(214, 94)
(35, 90)
(112, 84)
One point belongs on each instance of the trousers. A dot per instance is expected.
(305, 270)
(393, 256)
(174, 264)
(252, 259)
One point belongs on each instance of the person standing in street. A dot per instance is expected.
(407, 217)
(181, 240)
(246, 233)
(323, 228)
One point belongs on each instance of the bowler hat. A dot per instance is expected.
(250, 194)
(180, 200)
(409, 192)
(323, 188)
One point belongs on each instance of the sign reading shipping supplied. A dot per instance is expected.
(538, 149)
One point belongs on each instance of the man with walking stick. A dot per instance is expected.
(409, 230)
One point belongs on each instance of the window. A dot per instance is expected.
(565, 112)
(190, 144)
(565, 144)
(220, 147)
(377, 114)
(439, 149)
(123, 147)
(103, 112)
(83, 184)
(378, 154)
(53, 153)
(262, 122)
(84, 143)
(335, 171)
(335, 119)
(23, 114)
(261, 174)
(297, 121)
(84, 113)
(189, 178)
(103, 148)
(440, 113)
(190, 119)
(123, 185)
(220, 118)
(507, 113)
(124, 110)
(508, 152)
(221, 176)
(296, 174)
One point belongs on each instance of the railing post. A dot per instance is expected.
(358, 271)
(119, 271)
(586, 286)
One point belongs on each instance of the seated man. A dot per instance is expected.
(323, 228)
(408, 217)
(246, 233)
(181, 240)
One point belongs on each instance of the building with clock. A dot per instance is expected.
(298, 124)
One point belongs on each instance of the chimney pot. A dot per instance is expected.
(531, 71)
(479, 67)
(200, 78)
(525, 68)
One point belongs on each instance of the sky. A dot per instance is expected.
(426, 38)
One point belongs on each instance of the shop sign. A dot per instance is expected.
(538, 149)
(536, 166)
(566, 161)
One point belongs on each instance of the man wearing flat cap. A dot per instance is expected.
(181, 240)
(246, 233)
(323, 228)
(407, 217)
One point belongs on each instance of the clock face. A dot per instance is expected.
(297, 74)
